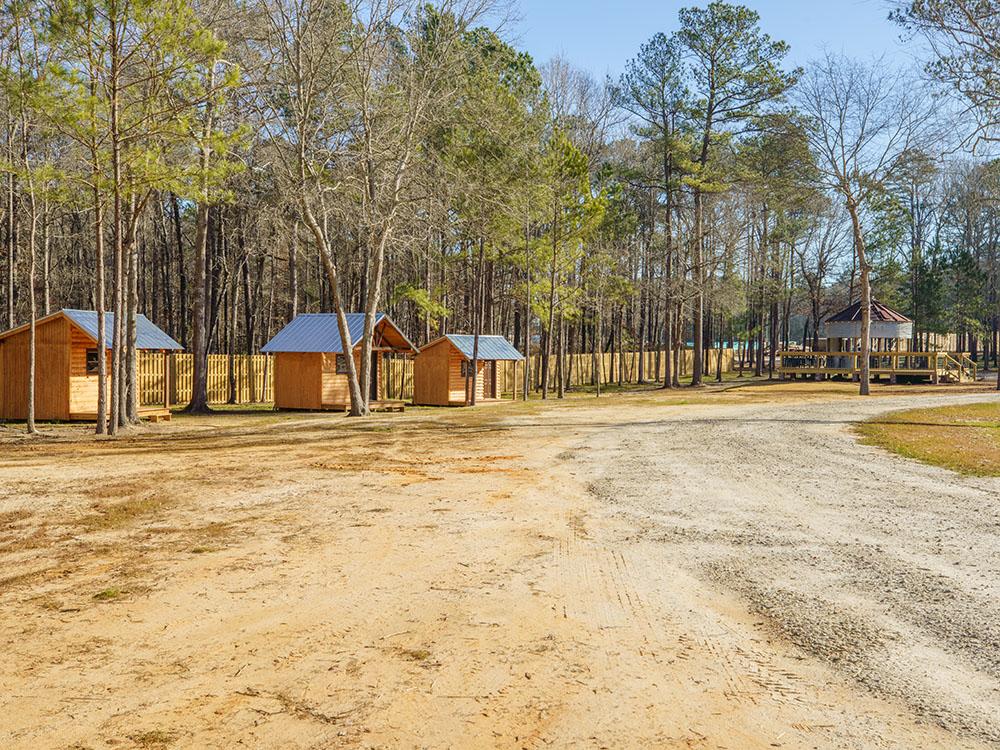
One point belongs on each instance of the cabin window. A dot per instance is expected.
(341, 364)
(93, 364)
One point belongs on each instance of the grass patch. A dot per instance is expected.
(124, 513)
(154, 738)
(415, 654)
(107, 595)
(965, 439)
(199, 540)
(216, 531)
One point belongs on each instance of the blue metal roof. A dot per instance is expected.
(147, 334)
(319, 332)
(490, 347)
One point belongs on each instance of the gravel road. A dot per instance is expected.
(884, 568)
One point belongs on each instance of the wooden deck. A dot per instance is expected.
(938, 367)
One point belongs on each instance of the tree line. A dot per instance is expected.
(222, 166)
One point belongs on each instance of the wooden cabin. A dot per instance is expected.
(442, 370)
(310, 369)
(890, 356)
(66, 365)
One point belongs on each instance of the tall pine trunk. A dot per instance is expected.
(99, 298)
(32, 301)
(698, 304)
(199, 338)
(546, 361)
(199, 342)
(477, 317)
(293, 274)
(132, 304)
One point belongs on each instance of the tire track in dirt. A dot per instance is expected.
(637, 636)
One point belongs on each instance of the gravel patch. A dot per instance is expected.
(884, 568)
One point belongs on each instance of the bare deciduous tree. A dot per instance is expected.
(861, 121)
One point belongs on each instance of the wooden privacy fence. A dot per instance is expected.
(624, 367)
(579, 370)
(398, 376)
(253, 375)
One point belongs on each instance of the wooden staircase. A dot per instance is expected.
(956, 368)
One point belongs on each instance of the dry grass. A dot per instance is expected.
(21, 540)
(154, 738)
(107, 594)
(19, 579)
(965, 439)
(125, 513)
(16, 536)
(415, 654)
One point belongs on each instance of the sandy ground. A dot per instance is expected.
(729, 573)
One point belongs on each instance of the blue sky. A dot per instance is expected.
(600, 35)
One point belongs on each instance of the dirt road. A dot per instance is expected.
(633, 574)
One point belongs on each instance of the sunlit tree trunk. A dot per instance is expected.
(866, 297)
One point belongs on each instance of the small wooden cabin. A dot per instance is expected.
(65, 364)
(442, 370)
(310, 370)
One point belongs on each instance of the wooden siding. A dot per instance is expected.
(459, 389)
(51, 368)
(298, 380)
(430, 375)
(311, 381)
(336, 392)
(83, 387)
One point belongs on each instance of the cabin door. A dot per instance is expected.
(486, 378)
(373, 386)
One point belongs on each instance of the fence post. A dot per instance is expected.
(166, 381)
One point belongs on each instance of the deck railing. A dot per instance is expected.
(949, 366)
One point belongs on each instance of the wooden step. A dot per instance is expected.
(149, 413)
(387, 405)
